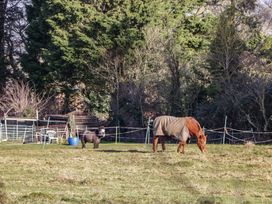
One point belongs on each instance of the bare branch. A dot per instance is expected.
(21, 99)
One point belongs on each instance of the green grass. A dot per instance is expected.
(130, 173)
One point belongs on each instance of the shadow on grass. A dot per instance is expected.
(120, 151)
(209, 200)
(3, 196)
(38, 196)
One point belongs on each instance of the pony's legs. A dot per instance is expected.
(155, 143)
(181, 147)
(83, 143)
(163, 143)
(96, 145)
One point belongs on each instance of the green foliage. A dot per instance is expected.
(266, 50)
(76, 35)
(193, 59)
(98, 102)
(29, 112)
(187, 35)
(37, 39)
(225, 50)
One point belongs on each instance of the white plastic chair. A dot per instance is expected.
(52, 135)
(48, 135)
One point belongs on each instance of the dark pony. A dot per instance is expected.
(92, 137)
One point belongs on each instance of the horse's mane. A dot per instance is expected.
(200, 131)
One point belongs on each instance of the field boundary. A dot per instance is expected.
(224, 135)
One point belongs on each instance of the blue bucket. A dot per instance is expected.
(73, 141)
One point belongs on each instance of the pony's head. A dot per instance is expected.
(201, 142)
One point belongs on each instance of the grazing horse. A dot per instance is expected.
(181, 128)
(92, 137)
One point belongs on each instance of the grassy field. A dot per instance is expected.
(130, 173)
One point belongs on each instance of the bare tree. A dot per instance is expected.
(148, 72)
(22, 100)
(264, 11)
(110, 70)
(258, 90)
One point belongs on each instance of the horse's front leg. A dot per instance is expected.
(96, 143)
(181, 146)
(83, 142)
(155, 143)
(163, 143)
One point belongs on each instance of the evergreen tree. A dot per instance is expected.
(37, 40)
(187, 32)
(68, 39)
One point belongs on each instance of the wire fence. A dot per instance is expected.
(17, 133)
(226, 135)
(117, 134)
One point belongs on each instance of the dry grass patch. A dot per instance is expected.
(131, 173)
(3, 196)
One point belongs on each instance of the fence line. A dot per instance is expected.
(25, 134)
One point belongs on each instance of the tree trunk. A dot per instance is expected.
(175, 95)
(2, 24)
(3, 6)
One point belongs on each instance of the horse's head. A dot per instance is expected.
(201, 142)
(101, 132)
(196, 130)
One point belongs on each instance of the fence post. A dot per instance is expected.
(0, 132)
(17, 130)
(32, 132)
(253, 135)
(6, 127)
(225, 129)
(24, 136)
(77, 133)
(147, 135)
(116, 134)
(119, 133)
(48, 121)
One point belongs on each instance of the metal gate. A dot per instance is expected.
(17, 133)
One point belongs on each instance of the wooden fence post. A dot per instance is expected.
(0, 132)
(225, 130)
(6, 126)
(116, 134)
(147, 135)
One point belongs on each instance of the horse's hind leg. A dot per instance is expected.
(83, 143)
(155, 143)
